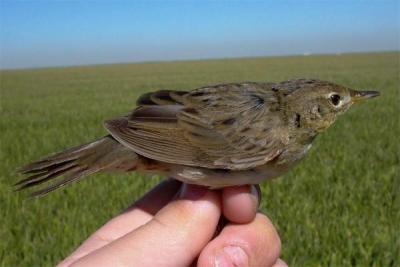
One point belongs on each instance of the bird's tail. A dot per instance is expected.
(105, 154)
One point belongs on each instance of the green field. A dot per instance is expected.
(339, 207)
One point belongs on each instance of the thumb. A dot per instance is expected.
(174, 237)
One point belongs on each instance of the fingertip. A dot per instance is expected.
(188, 222)
(240, 203)
(253, 244)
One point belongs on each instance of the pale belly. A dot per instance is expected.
(218, 178)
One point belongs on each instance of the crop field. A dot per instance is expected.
(339, 207)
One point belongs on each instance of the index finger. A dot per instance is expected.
(136, 215)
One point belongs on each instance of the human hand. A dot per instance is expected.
(176, 225)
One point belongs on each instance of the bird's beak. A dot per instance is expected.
(357, 96)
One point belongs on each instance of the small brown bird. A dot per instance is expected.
(216, 136)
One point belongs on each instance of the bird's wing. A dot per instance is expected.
(231, 126)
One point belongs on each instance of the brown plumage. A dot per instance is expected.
(222, 135)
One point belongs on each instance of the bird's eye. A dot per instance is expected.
(335, 99)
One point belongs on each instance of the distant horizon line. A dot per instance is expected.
(305, 54)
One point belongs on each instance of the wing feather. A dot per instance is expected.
(230, 126)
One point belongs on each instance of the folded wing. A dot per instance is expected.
(230, 126)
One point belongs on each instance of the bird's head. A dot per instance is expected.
(317, 104)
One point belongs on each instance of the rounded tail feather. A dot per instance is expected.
(104, 154)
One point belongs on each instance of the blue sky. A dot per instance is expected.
(63, 33)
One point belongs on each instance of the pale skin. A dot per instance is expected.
(179, 225)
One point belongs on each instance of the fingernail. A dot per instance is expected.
(192, 192)
(231, 256)
(256, 192)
